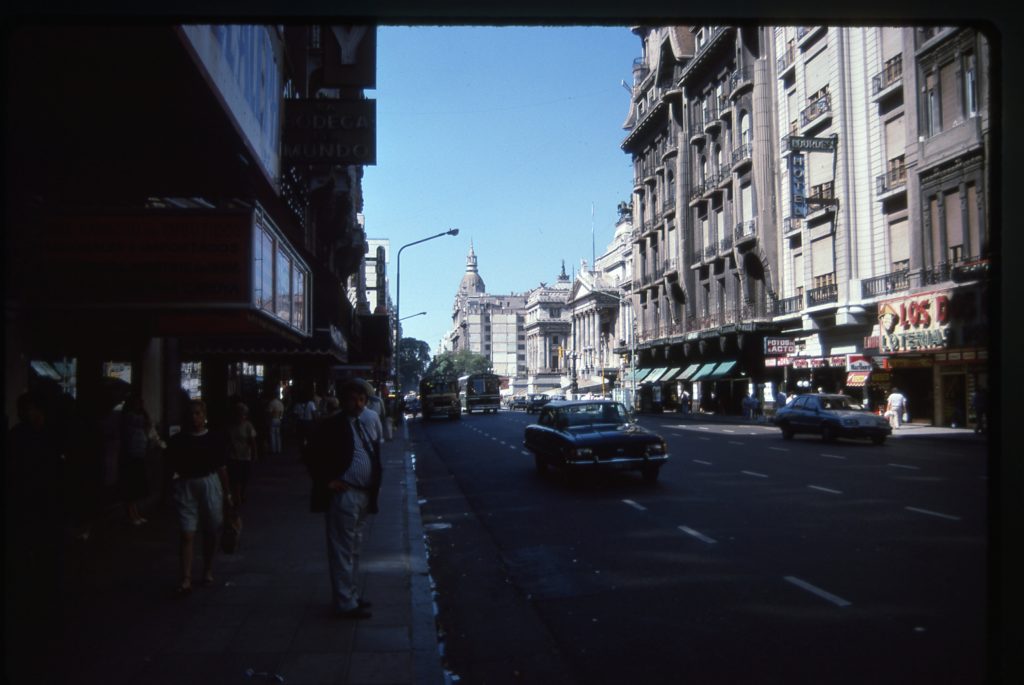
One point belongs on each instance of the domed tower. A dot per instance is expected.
(471, 283)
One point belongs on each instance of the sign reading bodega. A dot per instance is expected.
(322, 131)
(913, 324)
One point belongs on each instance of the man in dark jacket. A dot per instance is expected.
(344, 462)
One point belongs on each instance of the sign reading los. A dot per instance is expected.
(915, 323)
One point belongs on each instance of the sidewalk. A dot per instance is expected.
(268, 617)
(907, 430)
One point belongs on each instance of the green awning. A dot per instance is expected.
(690, 370)
(721, 371)
(641, 374)
(704, 371)
(672, 373)
(656, 375)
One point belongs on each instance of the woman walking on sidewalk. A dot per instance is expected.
(201, 491)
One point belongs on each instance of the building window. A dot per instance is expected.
(825, 279)
(971, 85)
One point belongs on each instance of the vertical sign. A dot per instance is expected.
(797, 185)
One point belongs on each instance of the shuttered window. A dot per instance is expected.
(950, 96)
(816, 73)
(935, 228)
(954, 223)
(895, 138)
(819, 168)
(973, 231)
(792, 110)
(798, 271)
(892, 42)
(746, 202)
(899, 243)
(822, 260)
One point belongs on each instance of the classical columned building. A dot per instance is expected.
(548, 328)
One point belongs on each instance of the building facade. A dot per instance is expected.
(836, 230)
(489, 325)
(201, 233)
(548, 325)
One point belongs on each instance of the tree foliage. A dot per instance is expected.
(461, 363)
(414, 358)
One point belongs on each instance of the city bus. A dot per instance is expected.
(480, 392)
(439, 395)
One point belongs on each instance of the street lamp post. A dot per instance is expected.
(398, 299)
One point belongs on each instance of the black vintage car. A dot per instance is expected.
(831, 417)
(535, 402)
(586, 435)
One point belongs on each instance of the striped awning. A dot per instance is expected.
(641, 374)
(721, 371)
(690, 370)
(656, 375)
(857, 379)
(671, 374)
(704, 371)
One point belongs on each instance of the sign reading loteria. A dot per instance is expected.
(915, 323)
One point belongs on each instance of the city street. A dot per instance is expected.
(753, 559)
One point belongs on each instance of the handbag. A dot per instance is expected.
(231, 532)
(906, 417)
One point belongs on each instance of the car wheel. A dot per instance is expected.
(787, 432)
(878, 439)
(650, 474)
(828, 433)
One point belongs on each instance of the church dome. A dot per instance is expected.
(471, 283)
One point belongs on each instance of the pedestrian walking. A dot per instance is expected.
(135, 438)
(275, 414)
(345, 466)
(305, 416)
(242, 435)
(201, 491)
(896, 408)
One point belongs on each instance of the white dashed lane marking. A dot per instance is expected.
(804, 585)
(701, 461)
(779, 449)
(833, 456)
(755, 473)
(905, 466)
(933, 513)
(823, 489)
(699, 536)
(638, 507)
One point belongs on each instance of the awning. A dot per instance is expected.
(655, 375)
(672, 373)
(857, 379)
(721, 371)
(641, 374)
(690, 370)
(704, 371)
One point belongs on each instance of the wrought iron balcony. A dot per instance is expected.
(940, 273)
(791, 224)
(640, 71)
(894, 179)
(892, 282)
(786, 62)
(725, 244)
(788, 305)
(891, 74)
(742, 154)
(739, 79)
(696, 192)
(819, 107)
(746, 230)
(710, 251)
(823, 295)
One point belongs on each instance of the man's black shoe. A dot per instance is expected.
(357, 613)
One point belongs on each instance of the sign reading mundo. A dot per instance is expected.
(330, 132)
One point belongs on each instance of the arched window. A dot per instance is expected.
(744, 128)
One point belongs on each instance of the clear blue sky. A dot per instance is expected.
(509, 134)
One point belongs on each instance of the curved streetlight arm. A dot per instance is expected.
(398, 296)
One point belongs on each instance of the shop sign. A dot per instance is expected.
(858, 362)
(350, 56)
(914, 324)
(775, 347)
(797, 185)
(809, 144)
(330, 132)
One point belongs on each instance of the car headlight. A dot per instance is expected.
(657, 448)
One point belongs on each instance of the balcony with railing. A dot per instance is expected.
(892, 74)
(668, 204)
(725, 244)
(710, 251)
(818, 111)
(823, 294)
(696, 193)
(805, 33)
(742, 155)
(724, 107)
(739, 80)
(713, 184)
(892, 282)
(893, 180)
(640, 71)
(821, 199)
(792, 224)
(745, 230)
(711, 120)
(788, 305)
(787, 61)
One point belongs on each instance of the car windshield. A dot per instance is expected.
(589, 414)
(837, 403)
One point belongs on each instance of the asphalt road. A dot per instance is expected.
(752, 560)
